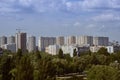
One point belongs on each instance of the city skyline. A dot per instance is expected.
(65, 37)
(61, 17)
(53, 44)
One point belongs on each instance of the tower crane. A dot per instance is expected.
(19, 30)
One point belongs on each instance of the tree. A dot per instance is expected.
(19, 54)
(38, 56)
(81, 63)
(117, 76)
(103, 60)
(24, 69)
(60, 53)
(101, 72)
(74, 52)
(5, 68)
(103, 51)
(94, 60)
(68, 57)
(46, 70)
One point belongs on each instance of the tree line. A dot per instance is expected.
(43, 66)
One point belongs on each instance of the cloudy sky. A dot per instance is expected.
(61, 17)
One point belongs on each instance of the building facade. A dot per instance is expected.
(31, 46)
(44, 42)
(95, 48)
(21, 39)
(10, 39)
(101, 41)
(52, 49)
(11, 47)
(84, 40)
(110, 49)
(70, 40)
(60, 40)
(3, 40)
(68, 49)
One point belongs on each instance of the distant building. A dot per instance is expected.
(45, 42)
(21, 39)
(60, 40)
(116, 48)
(11, 47)
(95, 48)
(11, 40)
(52, 49)
(83, 49)
(84, 40)
(68, 49)
(101, 41)
(110, 49)
(3, 40)
(70, 40)
(31, 44)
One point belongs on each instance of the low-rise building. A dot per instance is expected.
(68, 49)
(110, 49)
(95, 48)
(83, 49)
(52, 49)
(11, 47)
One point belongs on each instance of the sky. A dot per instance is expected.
(61, 17)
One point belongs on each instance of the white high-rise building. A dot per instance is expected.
(84, 40)
(70, 40)
(3, 40)
(21, 39)
(60, 40)
(44, 42)
(31, 43)
(11, 40)
(101, 41)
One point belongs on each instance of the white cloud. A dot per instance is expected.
(26, 3)
(77, 24)
(93, 5)
(51, 5)
(96, 3)
(91, 26)
(107, 17)
(7, 10)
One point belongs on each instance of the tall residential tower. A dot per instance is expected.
(45, 42)
(70, 40)
(21, 39)
(60, 40)
(31, 46)
(3, 40)
(84, 40)
(101, 41)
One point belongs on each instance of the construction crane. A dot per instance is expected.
(19, 30)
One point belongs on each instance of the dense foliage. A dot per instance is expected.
(42, 66)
